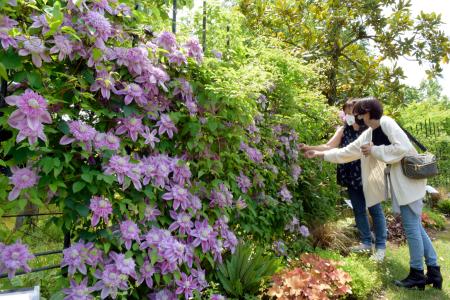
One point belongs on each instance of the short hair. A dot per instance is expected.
(369, 105)
(349, 103)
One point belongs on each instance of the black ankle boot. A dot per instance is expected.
(434, 277)
(416, 278)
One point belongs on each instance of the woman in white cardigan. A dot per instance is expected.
(382, 147)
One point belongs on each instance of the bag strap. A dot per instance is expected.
(413, 139)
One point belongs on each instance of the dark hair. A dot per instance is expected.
(349, 103)
(369, 105)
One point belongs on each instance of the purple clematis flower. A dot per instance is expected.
(105, 83)
(111, 280)
(63, 46)
(120, 166)
(132, 125)
(285, 194)
(129, 232)
(78, 291)
(22, 178)
(194, 49)
(32, 108)
(35, 47)
(146, 273)
(81, 132)
(101, 208)
(177, 58)
(151, 212)
(186, 286)
(167, 40)
(166, 126)
(14, 257)
(203, 234)
(243, 182)
(182, 222)
(150, 137)
(179, 195)
(134, 92)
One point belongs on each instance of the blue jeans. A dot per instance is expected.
(419, 242)
(362, 220)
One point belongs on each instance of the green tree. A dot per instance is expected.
(353, 39)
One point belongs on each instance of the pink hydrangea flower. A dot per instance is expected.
(100, 208)
(22, 179)
(14, 257)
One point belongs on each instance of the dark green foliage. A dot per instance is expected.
(245, 271)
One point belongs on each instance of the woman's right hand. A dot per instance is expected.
(304, 147)
(312, 154)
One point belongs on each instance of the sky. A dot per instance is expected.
(413, 71)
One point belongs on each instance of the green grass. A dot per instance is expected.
(396, 266)
(41, 237)
(375, 281)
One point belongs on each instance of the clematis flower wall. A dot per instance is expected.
(152, 170)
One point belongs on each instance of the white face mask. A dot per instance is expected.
(350, 119)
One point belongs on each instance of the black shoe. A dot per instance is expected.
(434, 277)
(415, 279)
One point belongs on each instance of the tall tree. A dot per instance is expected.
(353, 38)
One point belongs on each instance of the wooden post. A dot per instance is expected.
(204, 27)
(174, 17)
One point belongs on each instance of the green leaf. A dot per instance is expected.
(93, 188)
(3, 72)
(87, 177)
(97, 53)
(53, 186)
(106, 247)
(82, 210)
(35, 79)
(20, 76)
(71, 31)
(78, 186)
(11, 60)
(47, 164)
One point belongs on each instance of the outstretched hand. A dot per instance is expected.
(311, 154)
(304, 147)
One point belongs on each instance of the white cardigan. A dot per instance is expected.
(372, 167)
